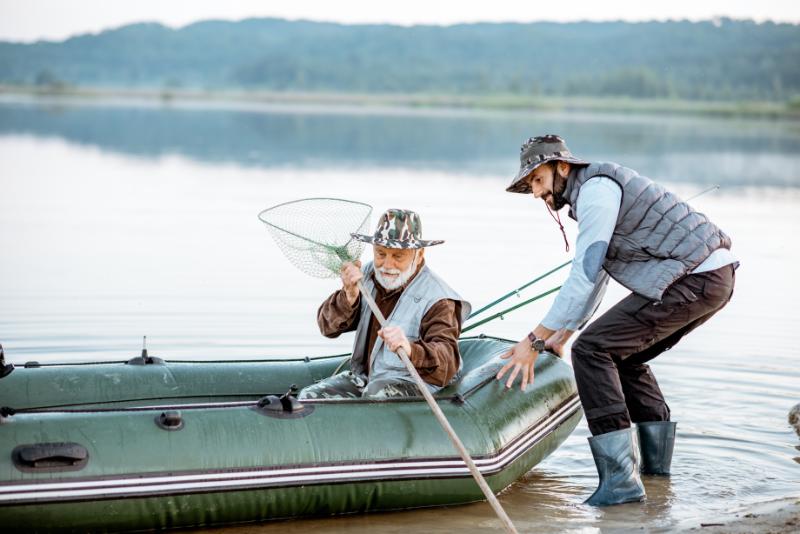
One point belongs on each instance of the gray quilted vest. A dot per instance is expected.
(425, 290)
(658, 238)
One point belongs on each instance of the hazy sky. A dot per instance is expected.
(30, 20)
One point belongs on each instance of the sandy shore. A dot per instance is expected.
(777, 517)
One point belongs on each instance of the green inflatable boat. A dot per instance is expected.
(149, 444)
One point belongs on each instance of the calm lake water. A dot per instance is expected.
(125, 219)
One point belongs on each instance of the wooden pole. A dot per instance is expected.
(487, 491)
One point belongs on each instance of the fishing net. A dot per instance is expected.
(314, 233)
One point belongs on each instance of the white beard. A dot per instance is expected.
(400, 280)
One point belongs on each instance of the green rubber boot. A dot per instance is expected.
(657, 439)
(616, 455)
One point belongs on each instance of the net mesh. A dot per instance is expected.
(314, 233)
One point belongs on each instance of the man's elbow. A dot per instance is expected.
(327, 331)
(330, 335)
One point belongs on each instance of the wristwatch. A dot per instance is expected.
(537, 343)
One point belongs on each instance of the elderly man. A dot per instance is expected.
(423, 313)
(680, 270)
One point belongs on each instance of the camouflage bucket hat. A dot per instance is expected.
(398, 229)
(537, 151)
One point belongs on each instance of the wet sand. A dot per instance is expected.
(778, 517)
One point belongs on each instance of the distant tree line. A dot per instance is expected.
(713, 60)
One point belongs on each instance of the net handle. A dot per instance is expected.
(487, 491)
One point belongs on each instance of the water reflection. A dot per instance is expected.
(696, 150)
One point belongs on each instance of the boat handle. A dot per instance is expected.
(50, 457)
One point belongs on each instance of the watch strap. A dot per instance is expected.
(537, 343)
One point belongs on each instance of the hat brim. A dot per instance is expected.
(519, 185)
(397, 243)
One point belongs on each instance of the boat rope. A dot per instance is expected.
(7, 411)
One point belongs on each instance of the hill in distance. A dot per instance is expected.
(711, 60)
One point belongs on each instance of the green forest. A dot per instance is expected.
(720, 60)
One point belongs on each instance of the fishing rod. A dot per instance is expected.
(501, 314)
(516, 291)
(703, 192)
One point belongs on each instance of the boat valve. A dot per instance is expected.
(170, 420)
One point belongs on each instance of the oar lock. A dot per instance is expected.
(144, 359)
(284, 407)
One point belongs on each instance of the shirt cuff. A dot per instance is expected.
(344, 306)
(551, 325)
(575, 325)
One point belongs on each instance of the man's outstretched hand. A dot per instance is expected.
(523, 358)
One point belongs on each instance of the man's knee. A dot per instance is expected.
(588, 341)
(321, 391)
(342, 386)
(311, 392)
(584, 352)
(386, 389)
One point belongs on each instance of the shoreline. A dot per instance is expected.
(422, 101)
(776, 517)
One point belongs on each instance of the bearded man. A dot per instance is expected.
(424, 317)
(680, 271)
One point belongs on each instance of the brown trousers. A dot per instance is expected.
(614, 383)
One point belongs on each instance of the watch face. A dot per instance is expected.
(538, 345)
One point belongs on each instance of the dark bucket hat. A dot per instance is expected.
(537, 151)
(398, 229)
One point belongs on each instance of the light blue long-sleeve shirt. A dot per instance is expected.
(599, 201)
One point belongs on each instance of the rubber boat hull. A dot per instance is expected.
(137, 447)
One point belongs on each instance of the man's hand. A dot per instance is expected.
(556, 342)
(395, 339)
(351, 274)
(523, 357)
